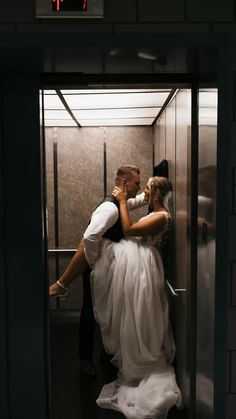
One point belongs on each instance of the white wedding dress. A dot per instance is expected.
(131, 308)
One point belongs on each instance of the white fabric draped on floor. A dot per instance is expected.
(131, 308)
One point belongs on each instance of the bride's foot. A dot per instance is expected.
(56, 290)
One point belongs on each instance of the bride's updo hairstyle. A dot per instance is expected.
(159, 186)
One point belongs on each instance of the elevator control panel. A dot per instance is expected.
(69, 8)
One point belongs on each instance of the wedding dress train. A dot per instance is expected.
(131, 307)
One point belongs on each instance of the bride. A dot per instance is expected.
(131, 308)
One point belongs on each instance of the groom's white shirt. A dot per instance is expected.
(103, 218)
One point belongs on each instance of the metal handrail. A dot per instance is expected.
(175, 291)
(62, 250)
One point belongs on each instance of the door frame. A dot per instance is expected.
(189, 81)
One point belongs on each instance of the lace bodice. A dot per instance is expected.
(160, 239)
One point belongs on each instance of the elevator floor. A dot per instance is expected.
(73, 394)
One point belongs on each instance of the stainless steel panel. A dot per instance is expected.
(159, 139)
(171, 144)
(182, 250)
(171, 141)
(206, 253)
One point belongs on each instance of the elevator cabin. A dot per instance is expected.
(87, 134)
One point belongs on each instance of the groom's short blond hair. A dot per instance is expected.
(127, 171)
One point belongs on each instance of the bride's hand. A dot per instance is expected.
(119, 194)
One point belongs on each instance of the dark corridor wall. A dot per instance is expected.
(185, 36)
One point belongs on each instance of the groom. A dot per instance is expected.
(105, 223)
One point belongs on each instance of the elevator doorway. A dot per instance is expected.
(177, 134)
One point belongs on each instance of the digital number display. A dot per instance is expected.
(69, 9)
(69, 5)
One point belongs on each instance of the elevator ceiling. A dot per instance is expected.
(103, 107)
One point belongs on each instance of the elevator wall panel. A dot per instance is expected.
(206, 253)
(76, 163)
(159, 139)
(171, 144)
(162, 139)
(80, 187)
(156, 143)
(183, 123)
(50, 188)
(171, 141)
(129, 145)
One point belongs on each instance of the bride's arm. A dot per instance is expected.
(146, 227)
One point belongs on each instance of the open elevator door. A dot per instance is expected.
(206, 246)
(184, 309)
(193, 281)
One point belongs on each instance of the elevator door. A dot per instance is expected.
(186, 136)
(182, 245)
(207, 146)
(172, 141)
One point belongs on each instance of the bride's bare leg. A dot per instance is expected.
(76, 267)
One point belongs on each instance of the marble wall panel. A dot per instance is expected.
(162, 146)
(80, 180)
(81, 183)
(159, 139)
(129, 145)
(170, 144)
(50, 187)
(156, 143)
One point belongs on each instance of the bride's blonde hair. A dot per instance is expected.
(159, 186)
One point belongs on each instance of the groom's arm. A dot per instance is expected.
(137, 202)
(104, 217)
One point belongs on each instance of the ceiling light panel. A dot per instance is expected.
(116, 113)
(53, 102)
(59, 123)
(116, 100)
(115, 122)
(56, 114)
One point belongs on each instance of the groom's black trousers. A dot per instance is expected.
(87, 320)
